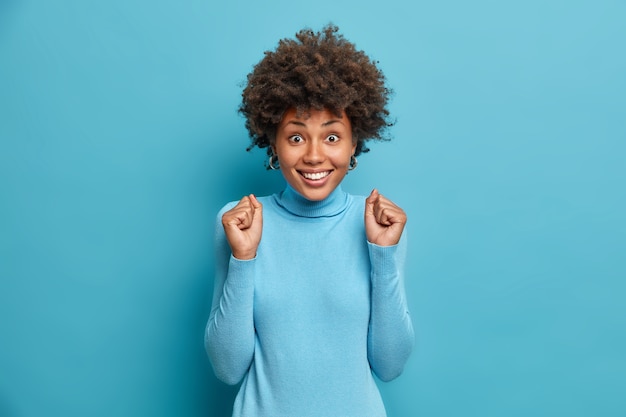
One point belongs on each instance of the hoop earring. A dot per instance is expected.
(353, 163)
(272, 162)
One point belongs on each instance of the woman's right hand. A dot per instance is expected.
(243, 225)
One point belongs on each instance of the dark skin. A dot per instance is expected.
(243, 224)
(316, 70)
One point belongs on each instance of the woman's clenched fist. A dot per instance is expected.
(384, 221)
(243, 225)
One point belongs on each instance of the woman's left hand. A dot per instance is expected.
(384, 221)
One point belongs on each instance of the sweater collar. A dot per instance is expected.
(293, 202)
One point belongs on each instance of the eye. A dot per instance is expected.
(332, 138)
(295, 139)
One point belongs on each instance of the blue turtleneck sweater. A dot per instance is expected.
(307, 321)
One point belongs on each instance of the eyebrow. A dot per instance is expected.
(333, 121)
(328, 123)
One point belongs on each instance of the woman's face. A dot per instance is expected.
(314, 151)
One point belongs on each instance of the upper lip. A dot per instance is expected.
(315, 174)
(313, 171)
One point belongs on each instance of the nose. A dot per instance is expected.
(314, 153)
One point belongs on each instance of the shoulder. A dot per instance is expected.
(263, 200)
(359, 199)
(357, 202)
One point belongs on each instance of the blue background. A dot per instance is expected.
(120, 141)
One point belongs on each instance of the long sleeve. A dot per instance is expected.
(390, 338)
(229, 337)
(307, 324)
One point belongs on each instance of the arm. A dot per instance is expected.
(230, 336)
(390, 336)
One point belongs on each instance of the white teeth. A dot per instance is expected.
(315, 175)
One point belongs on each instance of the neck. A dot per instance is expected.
(332, 205)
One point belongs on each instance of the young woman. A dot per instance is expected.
(309, 298)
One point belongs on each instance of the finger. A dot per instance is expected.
(380, 210)
(255, 203)
(370, 201)
(239, 216)
(242, 205)
(375, 207)
(388, 213)
(246, 218)
(383, 216)
(257, 207)
(257, 212)
(244, 202)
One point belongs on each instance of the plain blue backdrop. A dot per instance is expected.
(120, 141)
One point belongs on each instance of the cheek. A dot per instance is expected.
(287, 158)
(343, 157)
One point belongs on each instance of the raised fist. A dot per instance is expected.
(384, 221)
(243, 225)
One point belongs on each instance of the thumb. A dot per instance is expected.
(255, 203)
(258, 208)
(369, 202)
(370, 217)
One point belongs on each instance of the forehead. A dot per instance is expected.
(313, 117)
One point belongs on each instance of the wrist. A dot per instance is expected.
(244, 255)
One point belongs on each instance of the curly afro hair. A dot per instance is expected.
(316, 71)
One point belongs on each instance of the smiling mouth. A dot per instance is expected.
(315, 176)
